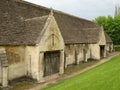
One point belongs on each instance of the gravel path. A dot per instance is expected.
(43, 85)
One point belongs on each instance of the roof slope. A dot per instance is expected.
(28, 36)
(76, 30)
(89, 35)
(70, 26)
(21, 23)
(10, 25)
(33, 28)
(15, 27)
(108, 39)
(92, 35)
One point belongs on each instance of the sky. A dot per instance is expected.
(88, 9)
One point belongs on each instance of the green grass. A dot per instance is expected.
(103, 77)
(117, 47)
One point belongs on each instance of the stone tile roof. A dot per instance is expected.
(70, 26)
(108, 39)
(30, 35)
(18, 19)
(33, 28)
(76, 30)
(14, 26)
(92, 34)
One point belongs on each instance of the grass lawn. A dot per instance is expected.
(103, 77)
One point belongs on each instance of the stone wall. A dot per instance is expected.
(76, 53)
(70, 54)
(80, 53)
(102, 40)
(16, 61)
(95, 51)
(31, 61)
(109, 48)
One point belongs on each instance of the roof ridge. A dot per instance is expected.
(73, 16)
(58, 11)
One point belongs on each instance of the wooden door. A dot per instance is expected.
(51, 63)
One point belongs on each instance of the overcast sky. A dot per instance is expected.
(88, 9)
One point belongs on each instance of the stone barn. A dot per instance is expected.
(39, 43)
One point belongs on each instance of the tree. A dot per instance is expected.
(111, 26)
(101, 20)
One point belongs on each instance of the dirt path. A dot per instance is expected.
(46, 84)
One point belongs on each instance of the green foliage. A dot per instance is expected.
(101, 20)
(117, 47)
(103, 77)
(111, 26)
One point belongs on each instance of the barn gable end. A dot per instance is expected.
(49, 48)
